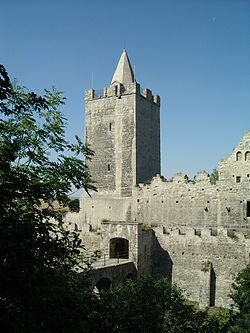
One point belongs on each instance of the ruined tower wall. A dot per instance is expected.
(147, 136)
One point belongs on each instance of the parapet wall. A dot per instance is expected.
(202, 261)
(192, 203)
(117, 89)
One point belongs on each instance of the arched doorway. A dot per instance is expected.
(119, 248)
(103, 284)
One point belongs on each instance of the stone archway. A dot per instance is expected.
(119, 248)
(103, 284)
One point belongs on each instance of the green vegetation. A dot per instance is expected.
(240, 320)
(39, 289)
(150, 306)
(214, 176)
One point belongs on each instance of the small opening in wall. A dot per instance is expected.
(248, 208)
(147, 201)
(162, 201)
(92, 206)
(108, 167)
(192, 254)
(189, 189)
(197, 232)
(183, 253)
(231, 189)
(110, 126)
(208, 201)
(248, 175)
(238, 179)
(138, 200)
(116, 89)
(176, 201)
(238, 156)
(235, 257)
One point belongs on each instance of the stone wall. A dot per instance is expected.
(122, 126)
(202, 261)
(147, 136)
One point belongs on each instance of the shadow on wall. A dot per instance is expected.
(212, 287)
(162, 264)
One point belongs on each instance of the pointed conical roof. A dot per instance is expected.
(123, 73)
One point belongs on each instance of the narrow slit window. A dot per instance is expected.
(110, 126)
(248, 208)
(108, 167)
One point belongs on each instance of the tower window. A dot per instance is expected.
(238, 156)
(248, 208)
(110, 126)
(247, 156)
(238, 179)
(116, 90)
(108, 167)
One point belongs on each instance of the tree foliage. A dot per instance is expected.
(241, 298)
(150, 306)
(214, 176)
(39, 290)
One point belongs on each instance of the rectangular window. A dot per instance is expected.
(110, 126)
(238, 179)
(248, 208)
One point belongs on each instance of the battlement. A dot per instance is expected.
(210, 234)
(117, 89)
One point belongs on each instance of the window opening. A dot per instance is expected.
(108, 167)
(110, 126)
(238, 179)
(247, 156)
(248, 208)
(238, 156)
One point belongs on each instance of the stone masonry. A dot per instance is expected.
(194, 232)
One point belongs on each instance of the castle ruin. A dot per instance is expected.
(194, 232)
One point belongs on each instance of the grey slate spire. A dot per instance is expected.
(123, 73)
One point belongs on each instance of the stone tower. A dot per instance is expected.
(122, 126)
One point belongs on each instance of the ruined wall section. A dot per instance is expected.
(177, 202)
(236, 168)
(147, 136)
(196, 203)
(205, 261)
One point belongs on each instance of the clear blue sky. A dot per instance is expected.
(194, 53)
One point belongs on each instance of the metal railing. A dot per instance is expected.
(105, 258)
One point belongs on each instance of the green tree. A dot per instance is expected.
(39, 288)
(214, 176)
(241, 297)
(150, 306)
